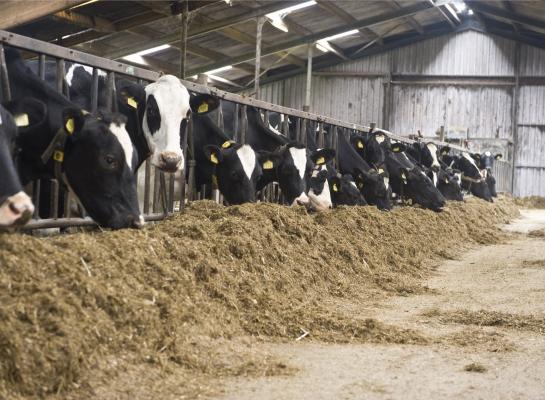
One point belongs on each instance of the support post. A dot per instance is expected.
(183, 47)
(442, 134)
(308, 87)
(260, 23)
(514, 117)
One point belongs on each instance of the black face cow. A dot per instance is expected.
(472, 177)
(486, 163)
(96, 158)
(235, 168)
(16, 208)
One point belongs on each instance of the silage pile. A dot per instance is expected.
(163, 294)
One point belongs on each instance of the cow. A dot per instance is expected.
(486, 163)
(473, 180)
(372, 182)
(427, 156)
(234, 168)
(92, 155)
(154, 112)
(342, 188)
(16, 207)
(286, 162)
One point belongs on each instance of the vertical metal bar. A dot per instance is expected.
(60, 75)
(94, 90)
(303, 138)
(442, 133)
(321, 135)
(147, 186)
(170, 203)
(156, 189)
(243, 124)
(36, 197)
(335, 143)
(286, 125)
(191, 188)
(163, 192)
(260, 22)
(183, 38)
(182, 175)
(308, 88)
(41, 67)
(236, 136)
(514, 117)
(298, 130)
(54, 199)
(4, 78)
(110, 92)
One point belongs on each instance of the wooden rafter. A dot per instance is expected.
(15, 13)
(410, 21)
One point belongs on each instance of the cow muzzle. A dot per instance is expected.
(137, 221)
(169, 161)
(301, 200)
(16, 210)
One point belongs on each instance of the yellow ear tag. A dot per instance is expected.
(213, 158)
(360, 144)
(268, 164)
(203, 108)
(380, 170)
(227, 144)
(335, 188)
(396, 149)
(58, 156)
(132, 102)
(21, 120)
(70, 125)
(320, 161)
(403, 177)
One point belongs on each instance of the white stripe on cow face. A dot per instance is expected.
(274, 129)
(299, 160)
(322, 201)
(69, 77)
(124, 140)
(386, 182)
(380, 138)
(468, 157)
(247, 158)
(172, 100)
(432, 148)
(434, 179)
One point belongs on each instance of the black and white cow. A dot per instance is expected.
(235, 168)
(288, 163)
(97, 156)
(373, 183)
(486, 163)
(16, 208)
(448, 181)
(343, 189)
(154, 112)
(472, 178)
(409, 180)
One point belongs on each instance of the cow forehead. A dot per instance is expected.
(247, 158)
(124, 140)
(170, 94)
(470, 159)
(299, 157)
(380, 138)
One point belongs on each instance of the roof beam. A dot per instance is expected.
(386, 17)
(444, 12)
(98, 24)
(511, 8)
(535, 23)
(15, 13)
(411, 21)
(334, 9)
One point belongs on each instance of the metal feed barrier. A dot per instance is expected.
(160, 201)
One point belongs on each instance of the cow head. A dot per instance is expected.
(96, 160)
(427, 154)
(449, 184)
(373, 148)
(16, 208)
(375, 187)
(420, 188)
(487, 160)
(167, 103)
(292, 166)
(237, 171)
(344, 191)
(472, 177)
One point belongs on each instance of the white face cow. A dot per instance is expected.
(167, 104)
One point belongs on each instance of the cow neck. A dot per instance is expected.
(139, 140)
(55, 151)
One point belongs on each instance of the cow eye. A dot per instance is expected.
(110, 161)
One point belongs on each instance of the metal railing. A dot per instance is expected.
(160, 198)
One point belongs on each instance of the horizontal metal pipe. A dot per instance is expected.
(77, 222)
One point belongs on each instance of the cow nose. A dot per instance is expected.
(301, 200)
(170, 161)
(137, 221)
(22, 208)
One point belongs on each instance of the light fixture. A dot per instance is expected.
(215, 71)
(276, 17)
(138, 57)
(470, 12)
(460, 6)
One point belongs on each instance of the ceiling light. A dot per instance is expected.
(215, 71)
(340, 35)
(459, 6)
(470, 12)
(138, 57)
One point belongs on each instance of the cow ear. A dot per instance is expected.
(498, 156)
(130, 95)
(72, 120)
(28, 113)
(322, 156)
(213, 154)
(445, 150)
(203, 103)
(267, 160)
(398, 147)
